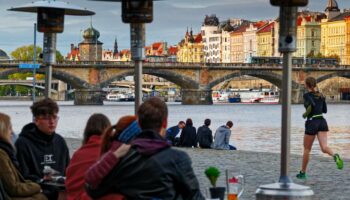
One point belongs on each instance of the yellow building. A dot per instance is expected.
(190, 49)
(265, 40)
(347, 45)
(309, 34)
(333, 32)
(237, 44)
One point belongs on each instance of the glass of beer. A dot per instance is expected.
(235, 184)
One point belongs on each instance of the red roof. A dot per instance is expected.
(267, 28)
(198, 38)
(156, 45)
(74, 53)
(241, 29)
(172, 50)
(259, 24)
(300, 19)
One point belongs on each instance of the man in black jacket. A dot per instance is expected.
(151, 169)
(204, 135)
(38, 145)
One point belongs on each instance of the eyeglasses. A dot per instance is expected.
(49, 117)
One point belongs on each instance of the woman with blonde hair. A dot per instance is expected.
(15, 186)
(315, 125)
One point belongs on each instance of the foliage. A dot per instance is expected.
(23, 76)
(212, 174)
(26, 53)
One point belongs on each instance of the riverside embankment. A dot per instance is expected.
(327, 182)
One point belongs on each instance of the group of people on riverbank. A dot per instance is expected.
(127, 160)
(132, 159)
(186, 135)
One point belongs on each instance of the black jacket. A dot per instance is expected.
(317, 101)
(188, 137)
(36, 149)
(146, 173)
(204, 137)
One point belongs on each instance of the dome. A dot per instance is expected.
(3, 55)
(91, 33)
(211, 20)
(332, 6)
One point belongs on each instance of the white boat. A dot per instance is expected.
(115, 96)
(267, 96)
(270, 97)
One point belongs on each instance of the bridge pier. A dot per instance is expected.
(297, 94)
(197, 97)
(88, 97)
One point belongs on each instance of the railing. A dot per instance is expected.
(11, 63)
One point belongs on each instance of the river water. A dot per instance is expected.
(257, 127)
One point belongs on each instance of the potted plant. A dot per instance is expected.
(213, 174)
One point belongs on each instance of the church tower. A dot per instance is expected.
(115, 46)
(332, 10)
(90, 48)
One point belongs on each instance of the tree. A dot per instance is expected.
(26, 53)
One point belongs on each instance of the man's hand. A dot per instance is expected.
(122, 150)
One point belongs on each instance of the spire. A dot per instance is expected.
(115, 46)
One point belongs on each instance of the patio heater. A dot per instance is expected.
(137, 13)
(50, 20)
(285, 188)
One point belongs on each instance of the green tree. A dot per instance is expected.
(26, 53)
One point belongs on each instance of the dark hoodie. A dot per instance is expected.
(151, 170)
(317, 101)
(36, 149)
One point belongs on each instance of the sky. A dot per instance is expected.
(170, 22)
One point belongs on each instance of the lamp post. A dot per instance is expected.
(285, 188)
(50, 20)
(137, 13)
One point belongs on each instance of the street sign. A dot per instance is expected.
(29, 66)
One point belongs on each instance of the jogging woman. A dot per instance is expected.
(315, 125)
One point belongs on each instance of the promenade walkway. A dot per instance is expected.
(327, 182)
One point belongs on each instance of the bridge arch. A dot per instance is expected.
(343, 74)
(178, 79)
(271, 77)
(65, 77)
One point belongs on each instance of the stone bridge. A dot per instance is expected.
(195, 79)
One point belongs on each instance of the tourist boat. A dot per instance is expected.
(270, 97)
(267, 96)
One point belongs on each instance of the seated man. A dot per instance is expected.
(222, 137)
(204, 135)
(150, 169)
(39, 146)
(173, 133)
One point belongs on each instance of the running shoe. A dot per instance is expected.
(338, 161)
(301, 175)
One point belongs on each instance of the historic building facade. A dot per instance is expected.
(265, 40)
(333, 32)
(211, 36)
(237, 45)
(250, 40)
(190, 49)
(308, 34)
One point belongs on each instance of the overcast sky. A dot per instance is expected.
(171, 18)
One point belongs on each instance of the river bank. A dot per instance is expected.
(325, 179)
